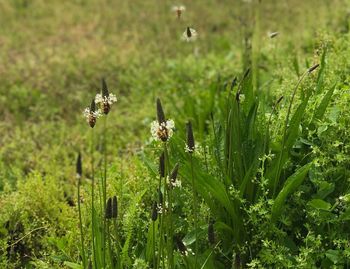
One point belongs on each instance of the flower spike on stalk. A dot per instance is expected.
(178, 10)
(190, 145)
(211, 233)
(162, 129)
(160, 112)
(312, 68)
(154, 215)
(111, 208)
(189, 35)
(173, 176)
(79, 168)
(105, 99)
(162, 165)
(91, 114)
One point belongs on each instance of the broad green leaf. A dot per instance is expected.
(321, 109)
(334, 255)
(291, 184)
(73, 265)
(319, 204)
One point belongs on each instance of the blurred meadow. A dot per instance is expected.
(270, 180)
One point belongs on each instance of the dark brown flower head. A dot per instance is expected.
(154, 215)
(180, 245)
(162, 165)
(105, 99)
(246, 73)
(91, 114)
(163, 132)
(160, 197)
(238, 93)
(105, 92)
(111, 208)
(79, 167)
(188, 32)
(189, 35)
(211, 233)
(233, 83)
(160, 113)
(115, 207)
(108, 213)
(190, 146)
(174, 172)
(312, 68)
(279, 100)
(162, 129)
(105, 105)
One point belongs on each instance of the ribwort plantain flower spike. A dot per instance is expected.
(79, 168)
(211, 233)
(178, 10)
(189, 35)
(160, 112)
(111, 208)
(174, 172)
(180, 245)
(114, 207)
(108, 213)
(162, 129)
(233, 83)
(173, 177)
(190, 145)
(105, 99)
(91, 114)
(279, 100)
(312, 68)
(154, 215)
(160, 196)
(162, 165)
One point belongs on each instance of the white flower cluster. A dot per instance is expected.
(178, 8)
(110, 99)
(160, 208)
(88, 113)
(162, 132)
(189, 251)
(241, 98)
(176, 183)
(189, 150)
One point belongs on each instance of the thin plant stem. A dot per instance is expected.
(195, 213)
(161, 231)
(170, 220)
(154, 245)
(92, 198)
(81, 226)
(118, 242)
(110, 246)
(104, 186)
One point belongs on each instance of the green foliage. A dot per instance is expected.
(271, 176)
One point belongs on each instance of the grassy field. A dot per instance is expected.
(254, 174)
